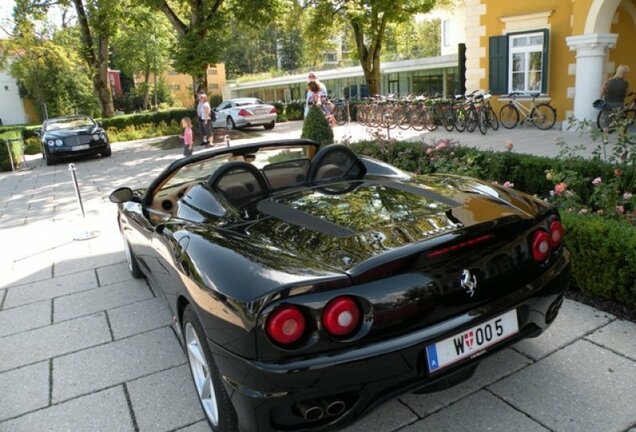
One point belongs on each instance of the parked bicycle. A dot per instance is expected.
(624, 118)
(542, 115)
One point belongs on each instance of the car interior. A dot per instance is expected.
(239, 180)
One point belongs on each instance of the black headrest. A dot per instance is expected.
(239, 182)
(333, 163)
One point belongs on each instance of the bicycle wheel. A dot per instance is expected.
(448, 118)
(630, 128)
(543, 116)
(460, 119)
(471, 119)
(491, 117)
(431, 118)
(418, 119)
(509, 116)
(401, 117)
(340, 113)
(482, 121)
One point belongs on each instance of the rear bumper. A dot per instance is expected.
(255, 120)
(266, 396)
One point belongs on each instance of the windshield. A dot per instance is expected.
(69, 123)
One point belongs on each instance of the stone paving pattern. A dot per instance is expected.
(84, 347)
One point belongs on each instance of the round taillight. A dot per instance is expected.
(285, 325)
(541, 248)
(341, 316)
(556, 233)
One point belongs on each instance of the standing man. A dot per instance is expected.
(205, 119)
(323, 91)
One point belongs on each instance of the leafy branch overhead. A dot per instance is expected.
(368, 19)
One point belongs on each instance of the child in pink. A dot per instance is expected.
(186, 123)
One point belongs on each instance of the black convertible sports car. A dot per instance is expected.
(309, 285)
(79, 135)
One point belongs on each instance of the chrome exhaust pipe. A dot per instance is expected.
(335, 408)
(310, 410)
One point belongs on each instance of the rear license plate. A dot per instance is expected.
(80, 147)
(472, 342)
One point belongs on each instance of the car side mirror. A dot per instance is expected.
(121, 195)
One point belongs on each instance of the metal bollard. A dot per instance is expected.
(85, 234)
(227, 140)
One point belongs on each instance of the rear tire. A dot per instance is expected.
(543, 116)
(270, 126)
(509, 116)
(230, 123)
(49, 161)
(493, 123)
(211, 393)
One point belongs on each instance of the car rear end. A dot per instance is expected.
(251, 114)
(416, 317)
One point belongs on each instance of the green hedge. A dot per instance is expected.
(316, 127)
(603, 256)
(16, 144)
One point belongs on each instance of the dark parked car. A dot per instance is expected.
(308, 285)
(71, 136)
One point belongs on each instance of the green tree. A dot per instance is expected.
(97, 21)
(369, 20)
(142, 45)
(203, 28)
(252, 50)
(49, 73)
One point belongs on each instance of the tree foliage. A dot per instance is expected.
(368, 20)
(204, 28)
(49, 73)
(143, 44)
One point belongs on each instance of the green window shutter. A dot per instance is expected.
(498, 64)
(546, 56)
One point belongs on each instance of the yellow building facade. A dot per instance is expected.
(181, 85)
(564, 49)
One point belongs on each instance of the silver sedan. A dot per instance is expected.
(244, 112)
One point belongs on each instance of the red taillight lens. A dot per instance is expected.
(556, 234)
(244, 113)
(341, 316)
(273, 110)
(285, 325)
(541, 248)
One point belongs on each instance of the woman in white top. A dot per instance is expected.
(205, 119)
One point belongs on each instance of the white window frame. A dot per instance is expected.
(524, 50)
(446, 37)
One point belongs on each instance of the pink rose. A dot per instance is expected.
(627, 196)
(441, 145)
(509, 145)
(597, 181)
(620, 209)
(559, 188)
(508, 184)
(429, 151)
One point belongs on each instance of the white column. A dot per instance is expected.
(591, 54)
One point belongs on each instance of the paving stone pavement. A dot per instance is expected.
(85, 347)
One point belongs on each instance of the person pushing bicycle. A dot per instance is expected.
(614, 92)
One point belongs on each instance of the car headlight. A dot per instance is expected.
(51, 143)
(95, 137)
(102, 135)
(59, 142)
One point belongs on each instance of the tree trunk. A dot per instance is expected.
(146, 88)
(97, 60)
(101, 81)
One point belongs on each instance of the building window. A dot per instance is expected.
(212, 71)
(525, 62)
(446, 37)
(518, 62)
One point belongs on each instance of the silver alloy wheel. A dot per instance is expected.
(201, 374)
(128, 255)
(230, 123)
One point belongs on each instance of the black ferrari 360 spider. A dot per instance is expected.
(309, 285)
